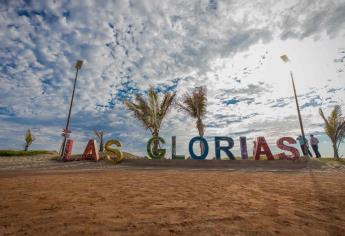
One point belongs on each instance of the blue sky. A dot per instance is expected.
(231, 47)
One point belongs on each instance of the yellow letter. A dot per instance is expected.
(113, 154)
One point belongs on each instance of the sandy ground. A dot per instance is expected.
(171, 202)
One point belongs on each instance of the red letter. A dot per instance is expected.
(261, 143)
(68, 150)
(91, 152)
(282, 146)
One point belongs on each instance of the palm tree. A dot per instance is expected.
(151, 112)
(195, 105)
(335, 128)
(29, 138)
(99, 135)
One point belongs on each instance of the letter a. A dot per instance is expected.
(262, 144)
(91, 152)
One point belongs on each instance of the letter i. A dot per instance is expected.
(244, 150)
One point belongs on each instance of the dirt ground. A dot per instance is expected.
(171, 202)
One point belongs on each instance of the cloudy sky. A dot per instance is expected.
(231, 47)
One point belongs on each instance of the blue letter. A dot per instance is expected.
(191, 152)
(225, 149)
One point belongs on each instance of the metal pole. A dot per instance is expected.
(299, 115)
(69, 114)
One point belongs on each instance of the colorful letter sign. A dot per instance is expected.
(260, 148)
(226, 149)
(113, 154)
(91, 152)
(262, 144)
(202, 155)
(68, 150)
(173, 150)
(282, 146)
(244, 150)
(161, 152)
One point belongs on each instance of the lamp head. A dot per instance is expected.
(285, 58)
(79, 64)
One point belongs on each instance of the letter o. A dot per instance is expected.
(191, 152)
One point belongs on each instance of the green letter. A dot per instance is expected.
(173, 151)
(161, 152)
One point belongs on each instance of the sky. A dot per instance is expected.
(231, 47)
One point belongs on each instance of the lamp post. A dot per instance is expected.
(286, 60)
(66, 132)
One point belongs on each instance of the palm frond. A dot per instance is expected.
(195, 105)
(29, 138)
(99, 134)
(150, 111)
(200, 100)
(328, 126)
(166, 103)
(334, 127)
(139, 112)
(186, 109)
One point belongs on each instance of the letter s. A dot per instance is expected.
(113, 154)
(282, 146)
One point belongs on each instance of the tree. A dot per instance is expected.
(334, 127)
(29, 138)
(195, 105)
(151, 112)
(99, 135)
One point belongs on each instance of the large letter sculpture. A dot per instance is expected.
(244, 150)
(68, 150)
(225, 149)
(161, 152)
(113, 154)
(173, 151)
(91, 151)
(282, 146)
(261, 143)
(191, 152)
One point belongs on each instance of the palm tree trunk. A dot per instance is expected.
(101, 144)
(26, 147)
(200, 127)
(155, 143)
(335, 150)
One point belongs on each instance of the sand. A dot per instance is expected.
(171, 202)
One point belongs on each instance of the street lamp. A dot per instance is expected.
(66, 132)
(286, 60)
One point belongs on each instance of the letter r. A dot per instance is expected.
(226, 149)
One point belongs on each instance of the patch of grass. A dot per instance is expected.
(332, 162)
(130, 156)
(8, 153)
